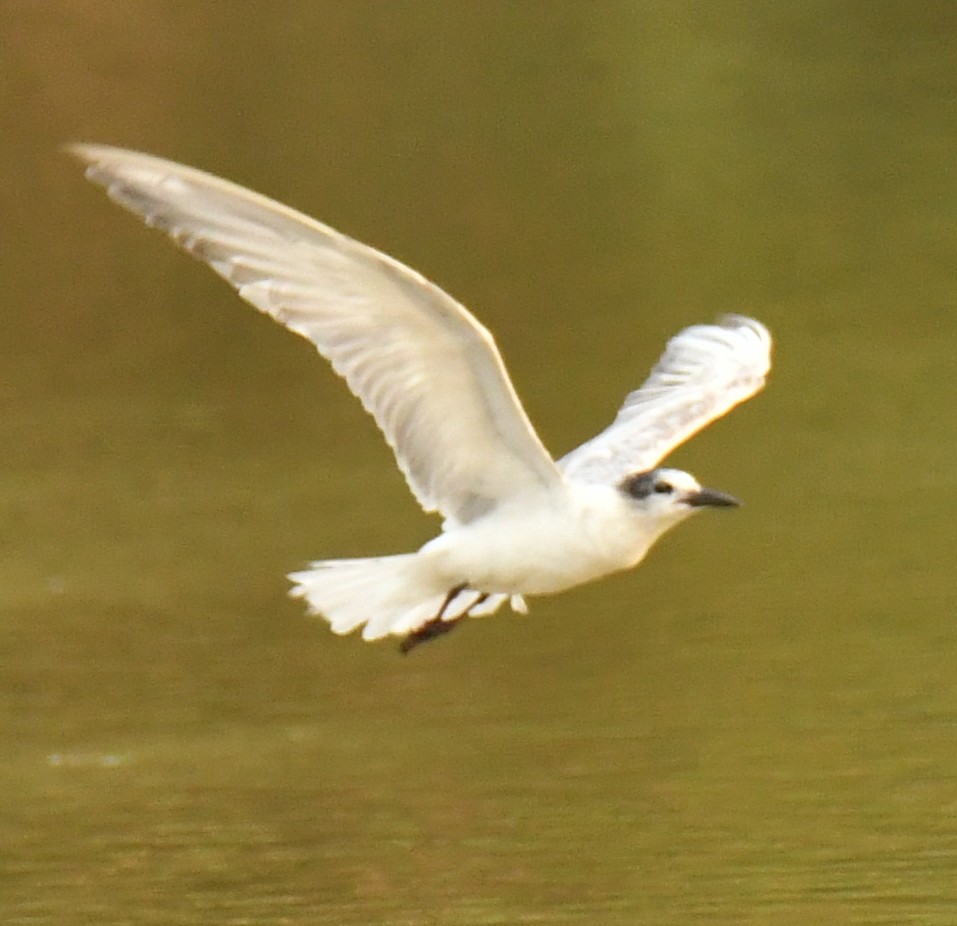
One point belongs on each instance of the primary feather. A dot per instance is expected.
(704, 372)
(419, 362)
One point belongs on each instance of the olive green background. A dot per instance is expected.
(757, 727)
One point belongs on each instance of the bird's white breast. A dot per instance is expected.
(544, 542)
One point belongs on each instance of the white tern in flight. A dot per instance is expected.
(516, 522)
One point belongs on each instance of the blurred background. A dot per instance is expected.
(758, 726)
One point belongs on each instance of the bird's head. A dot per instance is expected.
(671, 495)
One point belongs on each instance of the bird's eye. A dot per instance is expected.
(663, 488)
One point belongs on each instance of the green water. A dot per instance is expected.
(759, 726)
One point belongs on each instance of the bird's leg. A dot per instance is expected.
(437, 625)
(449, 598)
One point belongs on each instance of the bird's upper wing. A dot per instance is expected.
(704, 372)
(427, 371)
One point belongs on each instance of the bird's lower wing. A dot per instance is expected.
(427, 371)
(704, 372)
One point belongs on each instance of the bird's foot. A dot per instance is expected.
(428, 631)
(439, 624)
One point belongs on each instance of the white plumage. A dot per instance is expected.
(704, 372)
(515, 522)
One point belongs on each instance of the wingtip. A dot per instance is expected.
(734, 322)
(82, 151)
(91, 154)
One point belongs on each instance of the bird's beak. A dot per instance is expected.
(711, 498)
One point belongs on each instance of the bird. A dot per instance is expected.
(516, 523)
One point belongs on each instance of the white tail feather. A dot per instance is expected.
(384, 595)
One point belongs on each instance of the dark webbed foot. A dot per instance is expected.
(439, 625)
(434, 628)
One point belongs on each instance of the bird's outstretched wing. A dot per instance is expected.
(427, 371)
(704, 372)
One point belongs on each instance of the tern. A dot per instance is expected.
(516, 522)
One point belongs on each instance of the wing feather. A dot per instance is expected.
(419, 362)
(704, 372)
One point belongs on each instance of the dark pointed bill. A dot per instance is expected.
(711, 498)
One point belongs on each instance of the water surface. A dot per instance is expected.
(756, 727)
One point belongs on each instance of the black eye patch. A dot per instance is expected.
(641, 485)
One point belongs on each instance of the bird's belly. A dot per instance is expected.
(536, 552)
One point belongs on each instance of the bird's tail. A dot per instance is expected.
(384, 595)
